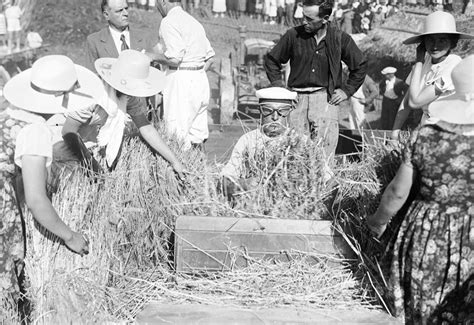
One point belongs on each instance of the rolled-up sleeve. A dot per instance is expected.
(279, 55)
(356, 62)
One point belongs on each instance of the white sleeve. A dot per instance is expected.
(235, 166)
(174, 46)
(444, 83)
(34, 140)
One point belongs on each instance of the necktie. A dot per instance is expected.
(124, 43)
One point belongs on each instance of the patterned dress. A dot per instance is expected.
(431, 278)
(11, 233)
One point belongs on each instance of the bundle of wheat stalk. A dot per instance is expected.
(129, 215)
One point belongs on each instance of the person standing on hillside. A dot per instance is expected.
(116, 37)
(185, 50)
(13, 14)
(315, 50)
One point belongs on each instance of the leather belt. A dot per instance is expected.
(187, 68)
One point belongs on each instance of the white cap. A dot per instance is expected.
(276, 94)
(388, 70)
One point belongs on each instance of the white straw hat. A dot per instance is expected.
(54, 84)
(439, 22)
(459, 107)
(131, 74)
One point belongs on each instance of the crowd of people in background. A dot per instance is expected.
(11, 30)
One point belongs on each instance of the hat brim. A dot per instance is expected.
(418, 38)
(150, 86)
(453, 109)
(19, 93)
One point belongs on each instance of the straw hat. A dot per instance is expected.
(54, 84)
(131, 74)
(388, 70)
(459, 107)
(439, 22)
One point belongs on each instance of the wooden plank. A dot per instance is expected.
(195, 261)
(274, 226)
(263, 242)
(188, 313)
(207, 243)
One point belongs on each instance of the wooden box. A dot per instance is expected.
(222, 243)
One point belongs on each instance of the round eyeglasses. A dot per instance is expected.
(281, 110)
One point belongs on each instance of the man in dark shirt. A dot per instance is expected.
(315, 51)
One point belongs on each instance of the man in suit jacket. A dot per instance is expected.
(117, 36)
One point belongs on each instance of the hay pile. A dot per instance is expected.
(129, 215)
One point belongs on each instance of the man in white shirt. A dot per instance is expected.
(116, 37)
(185, 51)
(276, 103)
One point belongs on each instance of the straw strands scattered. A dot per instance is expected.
(129, 215)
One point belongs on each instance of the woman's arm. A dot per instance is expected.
(34, 174)
(393, 198)
(153, 138)
(419, 95)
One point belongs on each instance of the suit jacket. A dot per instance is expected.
(101, 45)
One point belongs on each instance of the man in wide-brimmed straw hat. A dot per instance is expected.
(126, 79)
(430, 78)
(431, 271)
(28, 133)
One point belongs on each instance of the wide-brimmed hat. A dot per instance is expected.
(459, 107)
(131, 74)
(388, 70)
(53, 84)
(439, 22)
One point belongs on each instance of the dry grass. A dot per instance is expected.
(129, 215)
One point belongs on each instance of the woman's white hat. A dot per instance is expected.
(54, 84)
(439, 22)
(131, 74)
(459, 107)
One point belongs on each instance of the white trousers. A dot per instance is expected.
(356, 114)
(185, 102)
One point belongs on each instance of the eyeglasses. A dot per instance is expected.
(282, 110)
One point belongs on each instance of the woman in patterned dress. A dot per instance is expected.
(39, 96)
(431, 275)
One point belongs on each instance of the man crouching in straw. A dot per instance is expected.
(275, 104)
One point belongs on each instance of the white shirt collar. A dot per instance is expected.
(116, 37)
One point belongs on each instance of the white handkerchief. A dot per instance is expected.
(111, 133)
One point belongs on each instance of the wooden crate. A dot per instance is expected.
(221, 243)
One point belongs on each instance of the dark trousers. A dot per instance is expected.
(389, 112)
